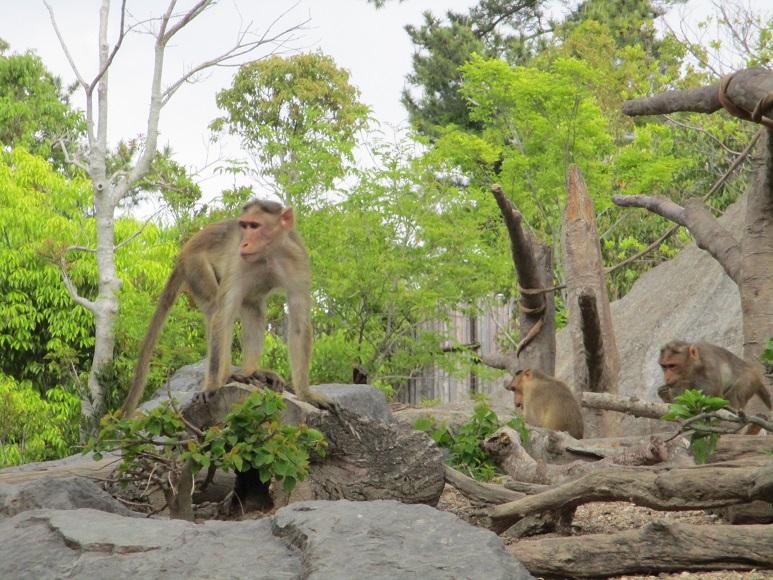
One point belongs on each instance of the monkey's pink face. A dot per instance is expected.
(262, 232)
(673, 366)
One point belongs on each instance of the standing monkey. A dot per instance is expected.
(547, 402)
(712, 369)
(230, 267)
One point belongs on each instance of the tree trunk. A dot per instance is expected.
(594, 349)
(658, 547)
(533, 261)
(757, 264)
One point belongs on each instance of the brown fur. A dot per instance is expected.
(712, 369)
(547, 402)
(230, 267)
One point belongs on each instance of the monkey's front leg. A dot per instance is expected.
(219, 338)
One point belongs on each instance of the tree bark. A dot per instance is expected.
(478, 492)
(533, 265)
(708, 233)
(747, 88)
(701, 487)
(594, 349)
(633, 407)
(756, 282)
(658, 547)
(506, 449)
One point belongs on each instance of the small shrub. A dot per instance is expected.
(464, 448)
(691, 404)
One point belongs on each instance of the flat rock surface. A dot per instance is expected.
(317, 539)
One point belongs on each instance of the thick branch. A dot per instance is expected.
(745, 91)
(633, 407)
(691, 488)
(709, 235)
(479, 492)
(657, 547)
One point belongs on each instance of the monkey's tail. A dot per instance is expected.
(165, 303)
(764, 394)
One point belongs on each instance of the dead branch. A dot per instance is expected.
(743, 94)
(695, 216)
(533, 263)
(634, 406)
(481, 493)
(701, 487)
(655, 548)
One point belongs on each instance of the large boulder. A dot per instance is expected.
(340, 539)
(64, 493)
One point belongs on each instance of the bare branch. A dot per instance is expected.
(73, 291)
(139, 231)
(662, 207)
(239, 49)
(66, 50)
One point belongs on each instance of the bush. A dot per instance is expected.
(35, 427)
(464, 448)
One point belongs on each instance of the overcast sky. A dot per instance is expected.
(372, 44)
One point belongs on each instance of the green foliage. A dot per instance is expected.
(34, 108)
(505, 29)
(767, 355)
(464, 448)
(35, 427)
(253, 437)
(44, 336)
(691, 404)
(298, 118)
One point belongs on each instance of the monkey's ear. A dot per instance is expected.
(287, 218)
(693, 351)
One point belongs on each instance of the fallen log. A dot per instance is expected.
(691, 488)
(505, 447)
(478, 492)
(655, 548)
(633, 406)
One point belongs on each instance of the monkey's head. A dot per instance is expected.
(521, 380)
(679, 361)
(264, 227)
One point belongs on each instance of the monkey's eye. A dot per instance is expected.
(666, 367)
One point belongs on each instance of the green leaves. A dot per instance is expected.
(464, 448)
(691, 406)
(298, 117)
(252, 437)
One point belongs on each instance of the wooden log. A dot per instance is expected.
(505, 447)
(655, 548)
(596, 361)
(479, 492)
(701, 487)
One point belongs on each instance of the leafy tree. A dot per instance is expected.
(402, 250)
(35, 111)
(493, 28)
(35, 427)
(45, 338)
(298, 117)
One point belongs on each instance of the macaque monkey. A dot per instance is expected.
(230, 267)
(546, 402)
(712, 369)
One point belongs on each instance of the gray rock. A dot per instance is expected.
(364, 400)
(387, 539)
(342, 539)
(88, 544)
(67, 493)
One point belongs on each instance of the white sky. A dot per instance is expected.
(370, 43)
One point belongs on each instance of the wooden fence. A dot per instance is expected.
(485, 329)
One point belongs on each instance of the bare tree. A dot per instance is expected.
(110, 188)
